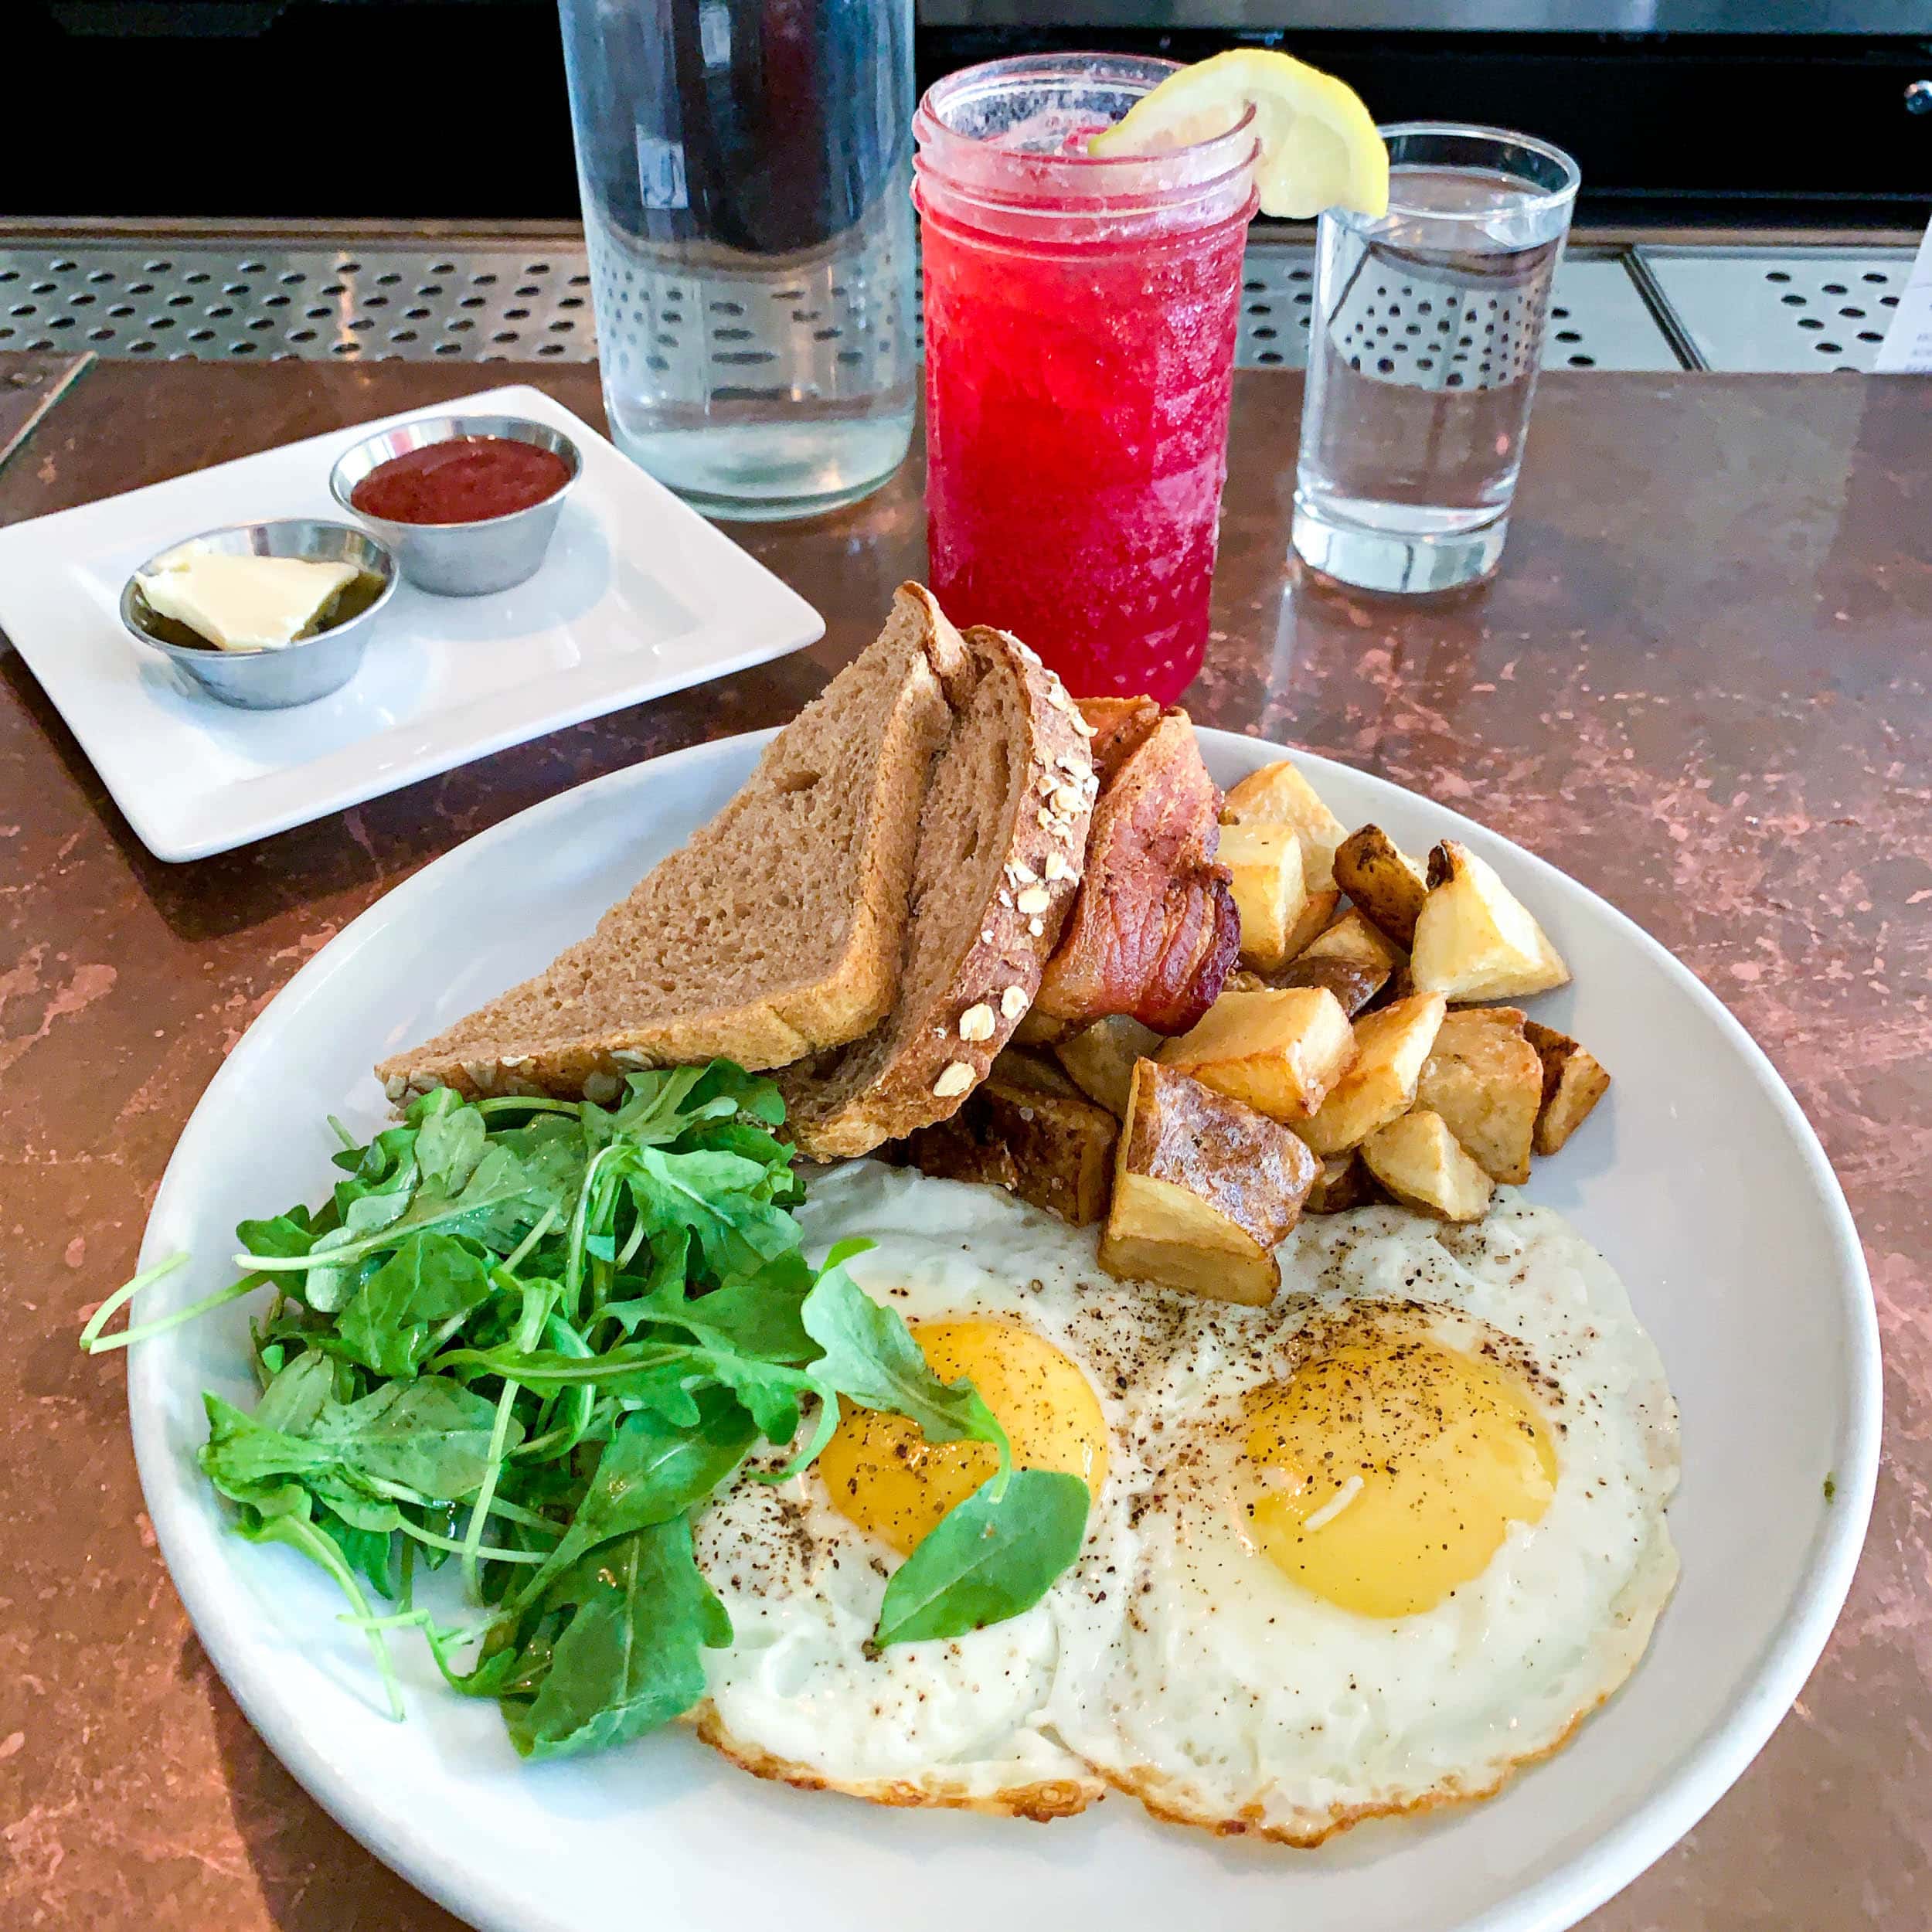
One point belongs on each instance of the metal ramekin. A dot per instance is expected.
(293, 673)
(461, 559)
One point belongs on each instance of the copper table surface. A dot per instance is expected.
(1700, 685)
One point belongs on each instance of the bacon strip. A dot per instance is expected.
(1154, 932)
(1121, 726)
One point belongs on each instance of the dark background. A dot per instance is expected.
(455, 111)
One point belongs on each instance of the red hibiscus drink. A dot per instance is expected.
(1080, 319)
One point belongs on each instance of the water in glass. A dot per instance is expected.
(1422, 365)
(747, 207)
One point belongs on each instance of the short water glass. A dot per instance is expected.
(1426, 338)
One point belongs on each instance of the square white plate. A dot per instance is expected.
(637, 596)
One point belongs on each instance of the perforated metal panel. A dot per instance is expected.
(251, 300)
(1782, 309)
(235, 301)
(1597, 318)
(1764, 308)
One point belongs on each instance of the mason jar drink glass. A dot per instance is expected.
(1080, 320)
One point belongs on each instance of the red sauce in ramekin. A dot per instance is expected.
(466, 479)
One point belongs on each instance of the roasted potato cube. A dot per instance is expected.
(1344, 1182)
(1280, 1052)
(1242, 981)
(1416, 1158)
(1474, 940)
(1486, 1081)
(1100, 1058)
(1384, 883)
(1354, 986)
(1028, 1129)
(1277, 794)
(1061, 1143)
(1350, 958)
(1204, 1189)
(1402, 985)
(1280, 914)
(1355, 938)
(1573, 1082)
(1039, 1030)
(957, 1149)
(1316, 915)
(1264, 868)
(1391, 1047)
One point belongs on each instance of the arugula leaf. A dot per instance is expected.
(666, 1377)
(500, 1181)
(506, 1667)
(367, 1552)
(552, 1152)
(327, 1287)
(770, 1389)
(663, 1292)
(282, 1234)
(644, 1477)
(550, 1369)
(244, 1458)
(389, 1325)
(501, 1195)
(668, 1389)
(661, 1105)
(285, 1518)
(629, 1659)
(449, 1146)
(366, 1514)
(762, 1317)
(871, 1358)
(573, 1417)
(987, 1559)
(748, 1143)
(293, 1402)
(754, 1093)
(658, 1106)
(391, 1152)
(431, 1435)
(723, 1199)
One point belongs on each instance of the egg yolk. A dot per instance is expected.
(1388, 1471)
(884, 1474)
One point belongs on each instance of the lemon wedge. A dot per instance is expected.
(1319, 146)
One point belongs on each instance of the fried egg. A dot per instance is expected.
(993, 1291)
(1405, 1532)
(1363, 1551)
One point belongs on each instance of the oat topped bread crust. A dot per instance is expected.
(1002, 841)
(777, 930)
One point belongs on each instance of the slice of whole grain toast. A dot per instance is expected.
(778, 930)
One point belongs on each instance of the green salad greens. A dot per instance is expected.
(532, 1338)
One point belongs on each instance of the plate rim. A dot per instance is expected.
(1706, 1770)
(192, 836)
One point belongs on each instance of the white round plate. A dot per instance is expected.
(1699, 1178)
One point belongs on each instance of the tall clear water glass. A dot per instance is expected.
(1423, 357)
(745, 172)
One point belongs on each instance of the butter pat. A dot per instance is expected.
(244, 602)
